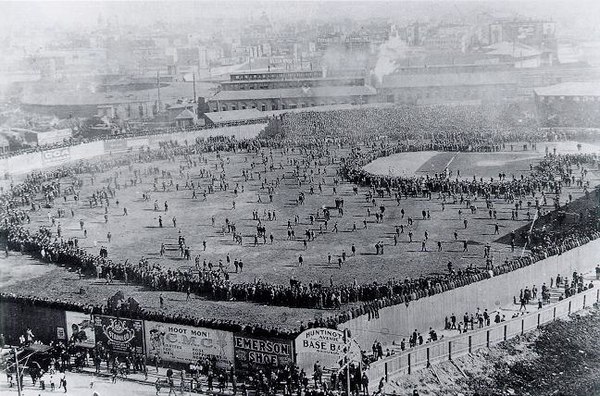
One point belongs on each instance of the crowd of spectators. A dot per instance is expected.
(444, 128)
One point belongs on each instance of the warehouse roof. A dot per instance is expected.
(591, 88)
(219, 117)
(185, 115)
(312, 92)
(447, 79)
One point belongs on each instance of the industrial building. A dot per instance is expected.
(281, 90)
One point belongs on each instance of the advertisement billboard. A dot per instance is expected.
(137, 143)
(119, 334)
(186, 344)
(253, 353)
(80, 329)
(56, 156)
(115, 145)
(46, 323)
(326, 346)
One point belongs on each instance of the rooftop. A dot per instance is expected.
(185, 115)
(516, 50)
(447, 79)
(312, 92)
(50, 94)
(591, 88)
(219, 117)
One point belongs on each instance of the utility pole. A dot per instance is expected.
(18, 375)
(347, 362)
(158, 89)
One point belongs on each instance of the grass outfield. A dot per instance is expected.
(138, 234)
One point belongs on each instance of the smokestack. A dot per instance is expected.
(194, 83)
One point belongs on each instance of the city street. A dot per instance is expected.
(79, 385)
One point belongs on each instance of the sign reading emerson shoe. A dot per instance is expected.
(186, 344)
(325, 345)
(56, 156)
(119, 334)
(253, 353)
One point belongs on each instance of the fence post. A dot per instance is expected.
(470, 344)
(428, 362)
(386, 372)
(570, 307)
(450, 350)
(597, 295)
(487, 343)
(539, 317)
(554, 314)
(584, 296)
(505, 331)
(409, 368)
(522, 326)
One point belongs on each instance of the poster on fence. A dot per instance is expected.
(56, 156)
(80, 329)
(119, 334)
(326, 346)
(253, 353)
(186, 344)
(115, 146)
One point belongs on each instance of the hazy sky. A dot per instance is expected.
(77, 13)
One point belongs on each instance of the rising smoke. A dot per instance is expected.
(389, 53)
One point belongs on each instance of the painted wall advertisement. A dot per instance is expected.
(80, 329)
(186, 344)
(254, 353)
(325, 345)
(115, 146)
(56, 156)
(119, 334)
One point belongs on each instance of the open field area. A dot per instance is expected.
(139, 234)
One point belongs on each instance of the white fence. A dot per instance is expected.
(449, 348)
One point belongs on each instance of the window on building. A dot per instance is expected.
(233, 107)
(243, 107)
(263, 107)
(223, 108)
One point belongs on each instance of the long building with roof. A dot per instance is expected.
(449, 84)
(277, 90)
(572, 104)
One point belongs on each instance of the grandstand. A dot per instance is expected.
(573, 104)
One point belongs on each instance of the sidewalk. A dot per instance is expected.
(161, 374)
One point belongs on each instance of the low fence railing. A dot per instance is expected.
(449, 348)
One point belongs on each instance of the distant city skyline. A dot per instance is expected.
(79, 14)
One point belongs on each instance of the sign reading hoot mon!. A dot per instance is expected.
(119, 334)
(186, 344)
(325, 346)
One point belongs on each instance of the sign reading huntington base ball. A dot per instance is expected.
(326, 346)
